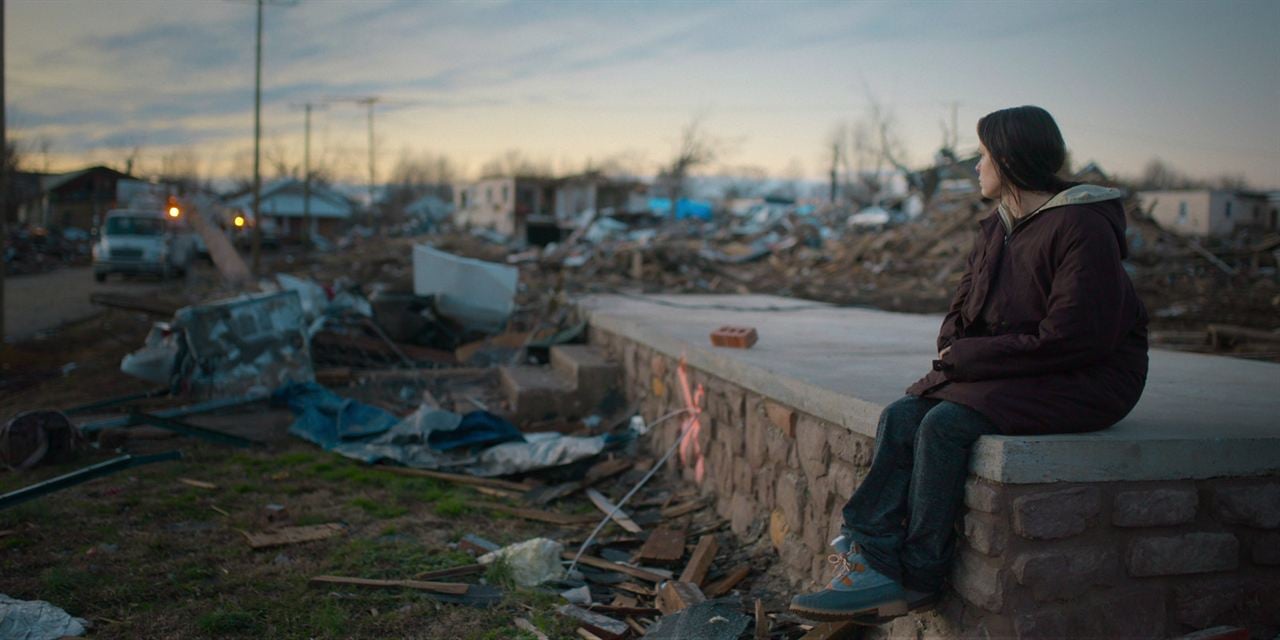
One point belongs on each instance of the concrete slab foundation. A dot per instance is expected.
(1167, 523)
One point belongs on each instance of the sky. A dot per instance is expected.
(1196, 84)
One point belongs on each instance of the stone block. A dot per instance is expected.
(1266, 549)
(1155, 507)
(811, 445)
(778, 529)
(795, 556)
(778, 448)
(755, 438)
(1136, 612)
(1066, 573)
(815, 528)
(979, 581)
(790, 491)
(1056, 514)
(843, 479)
(981, 495)
(742, 514)
(986, 533)
(1201, 603)
(782, 417)
(1255, 506)
(1182, 554)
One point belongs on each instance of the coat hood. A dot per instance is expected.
(1105, 200)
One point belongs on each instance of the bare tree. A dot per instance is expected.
(415, 176)
(696, 148)
(513, 163)
(180, 167)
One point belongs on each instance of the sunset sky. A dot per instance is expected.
(1196, 84)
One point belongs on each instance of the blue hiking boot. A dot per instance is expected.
(857, 591)
(916, 601)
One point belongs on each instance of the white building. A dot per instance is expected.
(1209, 212)
(502, 204)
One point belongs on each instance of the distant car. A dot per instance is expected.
(142, 241)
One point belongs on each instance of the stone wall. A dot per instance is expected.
(1108, 559)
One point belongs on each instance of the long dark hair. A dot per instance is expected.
(1026, 146)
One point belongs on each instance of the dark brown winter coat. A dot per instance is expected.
(1047, 334)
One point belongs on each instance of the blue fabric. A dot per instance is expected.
(328, 419)
(477, 429)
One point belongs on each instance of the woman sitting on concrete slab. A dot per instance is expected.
(1045, 335)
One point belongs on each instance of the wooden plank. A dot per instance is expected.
(452, 572)
(525, 625)
(606, 469)
(293, 535)
(601, 563)
(199, 484)
(457, 478)
(600, 625)
(675, 596)
(538, 515)
(453, 588)
(727, 583)
(498, 493)
(637, 589)
(842, 630)
(700, 561)
(675, 511)
(587, 635)
(762, 621)
(636, 626)
(613, 511)
(665, 545)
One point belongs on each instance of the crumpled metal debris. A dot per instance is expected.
(479, 294)
(36, 620)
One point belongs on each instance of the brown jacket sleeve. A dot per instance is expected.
(1085, 320)
(953, 323)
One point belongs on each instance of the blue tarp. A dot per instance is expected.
(685, 208)
(479, 443)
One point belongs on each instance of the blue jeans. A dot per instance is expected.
(903, 515)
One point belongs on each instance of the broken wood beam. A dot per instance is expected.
(675, 596)
(700, 561)
(293, 535)
(452, 572)
(613, 511)
(452, 588)
(601, 563)
(727, 583)
(538, 515)
(623, 610)
(675, 511)
(664, 546)
(762, 621)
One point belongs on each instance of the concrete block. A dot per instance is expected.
(981, 495)
(534, 393)
(1253, 506)
(986, 533)
(1056, 514)
(1155, 507)
(1200, 604)
(979, 581)
(1266, 549)
(1066, 573)
(1182, 554)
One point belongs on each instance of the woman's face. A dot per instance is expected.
(988, 176)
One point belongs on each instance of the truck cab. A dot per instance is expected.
(135, 241)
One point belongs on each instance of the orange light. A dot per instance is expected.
(239, 221)
(174, 212)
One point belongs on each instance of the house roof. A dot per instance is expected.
(285, 198)
(51, 182)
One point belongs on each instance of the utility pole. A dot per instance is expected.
(257, 148)
(370, 102)
(307, 108)
(257, 135)
(4, 182)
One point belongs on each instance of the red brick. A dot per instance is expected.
(736, 337)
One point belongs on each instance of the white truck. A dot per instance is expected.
(134, 241)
